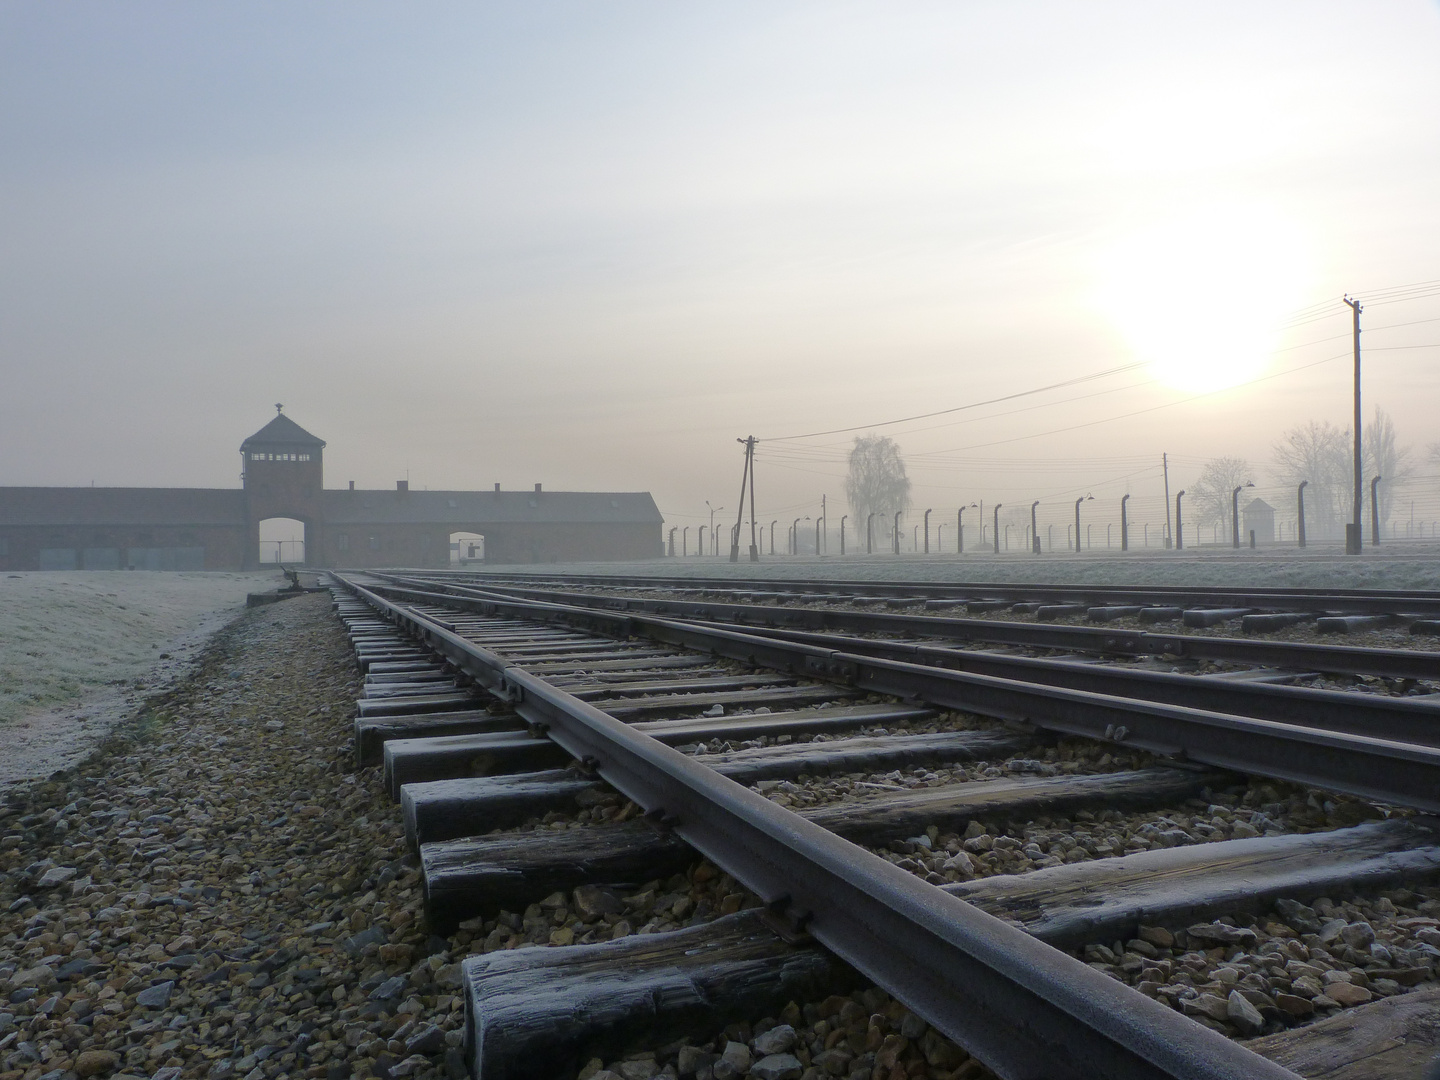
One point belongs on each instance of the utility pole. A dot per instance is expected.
(747, 475)
(1165, 464)
(754, 548)
(1352, 531)
(825, 517)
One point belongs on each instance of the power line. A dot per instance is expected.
(1313, 313)
(1153, 408)
(961, 408)
(1394, 295)
(845, 449)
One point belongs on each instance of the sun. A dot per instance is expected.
(1200, 298)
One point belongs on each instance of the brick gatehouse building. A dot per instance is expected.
(94, 528)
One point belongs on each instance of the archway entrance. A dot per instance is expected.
(282, 540)
(466, 548)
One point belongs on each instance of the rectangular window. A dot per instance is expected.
(343, 541)
(304, 457)
(374, 543)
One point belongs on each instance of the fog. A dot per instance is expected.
(593, 245)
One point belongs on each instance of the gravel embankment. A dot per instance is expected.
(865, 1035)
(214, 894)
(1249, 975)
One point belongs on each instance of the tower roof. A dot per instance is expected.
(284, 431)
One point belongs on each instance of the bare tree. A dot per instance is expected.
(1211, 494)
(1384, 457)
(1318, 452)
(877, 483)
(1323, 454)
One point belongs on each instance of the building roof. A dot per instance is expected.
(1257, 506)
(466, 508)
(60, 506)
(282, 431)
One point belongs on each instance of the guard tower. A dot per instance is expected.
(283, 477)
(1258, 517)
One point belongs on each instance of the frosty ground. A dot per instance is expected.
(77, 650)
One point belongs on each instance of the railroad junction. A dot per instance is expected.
(526, 825)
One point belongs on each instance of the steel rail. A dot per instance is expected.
(1289, 655)
(1380, 770)
(1395, 718)
(1406, 720)
(1026, 1010)
(1355, 601)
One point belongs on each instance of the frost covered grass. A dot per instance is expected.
(1414, 567)
(67, 636)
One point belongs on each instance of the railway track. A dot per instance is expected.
(1159, 841)
(1195, 606)
(1296, 659)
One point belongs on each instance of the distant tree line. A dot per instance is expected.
(1317, 452)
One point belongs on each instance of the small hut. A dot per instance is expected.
(1258, 517)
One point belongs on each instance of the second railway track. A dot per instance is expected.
(491, 712)
(815, 612)
(1152, 603)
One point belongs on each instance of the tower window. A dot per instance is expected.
(343, 541)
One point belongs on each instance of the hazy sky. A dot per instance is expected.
(592, 244)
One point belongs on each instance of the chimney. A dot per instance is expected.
(352, 485)
(402, 485)
(497, 487)
(537, 489)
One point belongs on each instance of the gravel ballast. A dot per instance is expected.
(213, 894)
(216, 893)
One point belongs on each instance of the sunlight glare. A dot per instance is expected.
(1201, 298)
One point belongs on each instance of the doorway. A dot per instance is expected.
(282, 540)
(466, 548)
